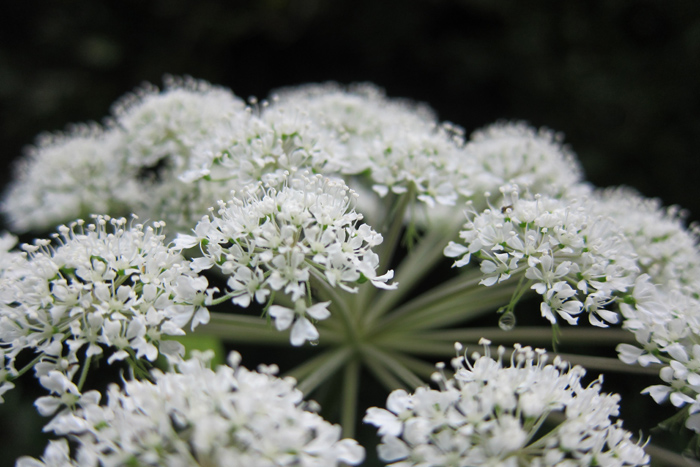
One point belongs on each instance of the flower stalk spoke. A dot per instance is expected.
(351, 386)
(418, 264)
(609, 364)
(461, 286)
(244, 329)
(448, 311)
(383, 375)
(321, 368)
(395, 366)
(391, 232)
(534, 335)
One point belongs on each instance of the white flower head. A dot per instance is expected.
(163, 127)
(228, 417)
(665, 247)
(666, 323)
(574, 257)
(261, 144)
(68, 176)
(271, 240)
(160, 131)
(515, 153)
(388, 145)
(111, 284)
(490, 413)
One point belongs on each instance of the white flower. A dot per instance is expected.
(488, 413)
(388, 145)
(279, 241)
(515, 153)
(56, 454)
(572, 256)
(197, 416)
(303, 329)
(68, 176)
(666, 324)
(110, 283)
(260, 144)
(665, 248)
(160, 132)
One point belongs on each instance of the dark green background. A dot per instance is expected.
(619, 78)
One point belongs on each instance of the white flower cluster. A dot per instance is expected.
(575, 259)
(171, 154)
(271, 241)
(489, 414)
(197, 416)
(664, 247)
(67, 176)
(517, 154)
(159, 133)
(106, 284)
(662, 310)
(132, 165)
(666, 324)
(397, 144)
(162, 128)
(260, 144)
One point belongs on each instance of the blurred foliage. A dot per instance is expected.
(619, 78)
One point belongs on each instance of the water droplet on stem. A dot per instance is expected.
(507, 321)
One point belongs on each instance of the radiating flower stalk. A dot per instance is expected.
(328, 217)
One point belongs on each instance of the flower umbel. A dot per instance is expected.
(289, 207)
(491, 413)
(110, 284)
(271, 241)
(196, 416)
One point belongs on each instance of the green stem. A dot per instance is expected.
(456, 286)
(448, 310)
(27, 367)
(609, 364)
(322, 369)
(663, 456)
(138, 368)
(419, 367)
(441, 343)
(391, 230)
(395, 366)
(389, 381)
(83, 372)
(339, 303)
(305, 369)
(243, 329)
(351, 383)
(532, 336)
(418, 264)
(416, 345)
(218, 301)
(516, 296)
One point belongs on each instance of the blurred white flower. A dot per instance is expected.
(515, 153)
(196, 416)
(68, 176)
(159, 132)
